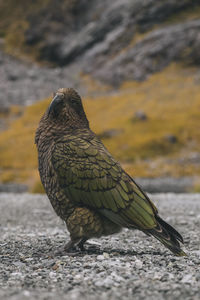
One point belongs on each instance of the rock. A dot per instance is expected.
(96, 36)
(140, 115)
(106, 255)
(197, 252)
(100, 257)
(151, 54)
(4, 110)
(157, 276)
(12, 77)
(33, 82)
(107, 282)
(172, 139)
(187, 278)
(138, 264)
(107, 134)
(52, 274)
(26, 293)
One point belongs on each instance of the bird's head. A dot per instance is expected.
(66, 108)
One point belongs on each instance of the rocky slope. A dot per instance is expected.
(111, 41)
(22, 83)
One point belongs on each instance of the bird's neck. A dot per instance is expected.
(50, 132)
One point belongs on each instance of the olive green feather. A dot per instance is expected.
(110, 192)
(82, 178)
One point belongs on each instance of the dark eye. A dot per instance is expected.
(73, 101)
(62, 96)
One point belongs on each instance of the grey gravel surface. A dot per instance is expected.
(125, 266)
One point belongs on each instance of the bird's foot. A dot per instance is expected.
(72, 248)
(69, 249)
(81, 243)
(90, 247)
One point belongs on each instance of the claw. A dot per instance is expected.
(80, 245)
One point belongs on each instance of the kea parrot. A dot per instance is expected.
(86, 186)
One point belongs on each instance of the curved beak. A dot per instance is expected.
(54, 103)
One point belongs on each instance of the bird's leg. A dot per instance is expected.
(82, 225)
(80, 245)
(69, 248)
(70, 245)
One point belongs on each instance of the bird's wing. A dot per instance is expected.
(92, 178)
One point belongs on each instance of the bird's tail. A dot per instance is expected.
(168, 236)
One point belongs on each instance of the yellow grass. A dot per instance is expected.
(171, 102)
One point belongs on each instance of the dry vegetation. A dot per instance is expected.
(169, 99)
(17, 20)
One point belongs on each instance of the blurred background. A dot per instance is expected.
(136, 64)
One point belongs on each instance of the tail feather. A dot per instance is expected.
(168, 236)
(170, 229)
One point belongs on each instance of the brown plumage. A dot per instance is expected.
(88, 188)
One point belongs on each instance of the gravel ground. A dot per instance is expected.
(126, 266)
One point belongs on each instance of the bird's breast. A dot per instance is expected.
(61, 204)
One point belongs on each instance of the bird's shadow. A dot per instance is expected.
(91, 250)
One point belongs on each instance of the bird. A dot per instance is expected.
(86, 186)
